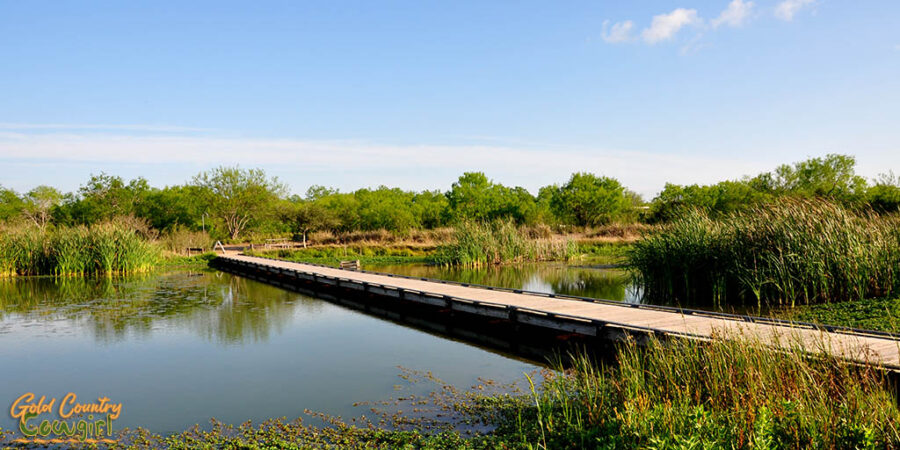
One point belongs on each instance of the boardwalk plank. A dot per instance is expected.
(883, 350)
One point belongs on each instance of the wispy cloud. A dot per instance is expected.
(619, 32)
(665, 26)
(737, 12)
(100, 127)
(788, 8)
(322, 160)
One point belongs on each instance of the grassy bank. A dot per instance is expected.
(469, 245)
(99, 249)
(675, 394)
(366, 254)
(785, 253)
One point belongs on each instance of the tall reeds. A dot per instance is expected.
(100, 249)
(477, 243)
(792, 251)
(720, 394)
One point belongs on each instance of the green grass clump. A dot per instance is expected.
(783, 253)
(684, 394)
(100, 249)
(476, 244)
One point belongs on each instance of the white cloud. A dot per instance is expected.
(85, 127)
(788, 8)
(620, 31)
(344, 164)
(737, 12)
(665, 26)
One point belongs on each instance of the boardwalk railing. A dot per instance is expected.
(580, 315)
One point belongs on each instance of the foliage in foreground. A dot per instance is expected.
(105, 248)
(693, 395)
(787, 252)
(676, 394)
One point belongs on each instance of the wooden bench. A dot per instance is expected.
(278, 243)
(351, 265)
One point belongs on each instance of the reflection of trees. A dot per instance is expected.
(551, 278)
(218, 306)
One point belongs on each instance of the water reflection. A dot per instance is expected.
(217, 306)
(609, 284)
(181, 347)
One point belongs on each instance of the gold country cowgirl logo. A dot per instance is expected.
(69, 418)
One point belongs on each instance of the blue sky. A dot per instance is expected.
(411, 94)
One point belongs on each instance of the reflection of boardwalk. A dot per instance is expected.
(592, 318)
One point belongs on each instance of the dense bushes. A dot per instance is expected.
(105, 248)
(789, 251)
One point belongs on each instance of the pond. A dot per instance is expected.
(551, 278)
(179, 348)
(556, 278)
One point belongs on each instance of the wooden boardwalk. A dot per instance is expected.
(574, 315)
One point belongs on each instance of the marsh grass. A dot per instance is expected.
(106, 248)
(477, 244)
(783, 253)
(689, 394)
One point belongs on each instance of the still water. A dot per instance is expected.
(551, 278)
(179, 348)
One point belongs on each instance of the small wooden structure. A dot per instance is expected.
(351, 265)
(278, 243)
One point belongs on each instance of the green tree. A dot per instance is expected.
(720, 198)
(39, 204)
(884, 195)
(430, 209)
(590, 200)
(102, 198)
(173, 207)
(474, 197)
(239, 197)
(10, 204)
(305, 216)
(833, 176)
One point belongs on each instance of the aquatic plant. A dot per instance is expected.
(482, 243)
(690, 394)
(787, 252)
(100, 249)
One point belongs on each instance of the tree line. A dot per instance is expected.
(230, 202)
